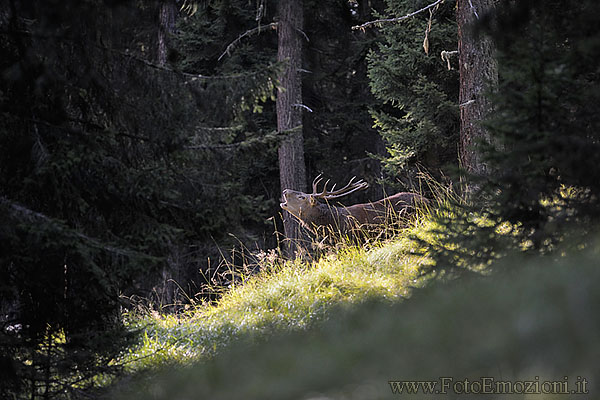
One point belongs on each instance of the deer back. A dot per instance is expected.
(378, 212)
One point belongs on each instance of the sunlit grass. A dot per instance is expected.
(283, 296)
(539, 322)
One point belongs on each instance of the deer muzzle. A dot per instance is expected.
(294, 201)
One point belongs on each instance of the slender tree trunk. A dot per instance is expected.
(364, 9)
(478, 70)
(292, 172)
(167, 13)
(168, 289)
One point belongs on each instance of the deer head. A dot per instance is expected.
(309, 208)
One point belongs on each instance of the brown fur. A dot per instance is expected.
(313, 212)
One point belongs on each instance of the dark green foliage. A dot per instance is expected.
(107, 175)
(544, 129)
(60, 303)
(546, 124)
(203, 38)
(86, 181)
(236, 135)
(338, 132)
(235, 141)
(419, 118)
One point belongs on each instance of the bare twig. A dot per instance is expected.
(303, 106)
(474, 10)
(398, 19)
(427, 31)
(258, 29)
(301, 32)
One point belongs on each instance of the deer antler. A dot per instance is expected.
(351, 187)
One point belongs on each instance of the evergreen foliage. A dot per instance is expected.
(338, 132)
(86, 178)
(544, 148)
(105, 180)
(418, 118)
(235, 141)
(114, 169)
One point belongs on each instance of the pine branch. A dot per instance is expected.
(18, 210)
(90, 124)
(193, 77)
(397, 19)
(268, 138)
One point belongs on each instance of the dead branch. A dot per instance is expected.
(379, 22)
(258, 29)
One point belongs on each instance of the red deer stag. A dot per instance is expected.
(314, 208)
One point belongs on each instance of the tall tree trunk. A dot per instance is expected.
(168, 289)
(292, 172)
(478, 70)
(166, 17)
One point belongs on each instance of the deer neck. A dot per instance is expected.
(330, 215)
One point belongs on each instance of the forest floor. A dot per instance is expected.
(360, 324)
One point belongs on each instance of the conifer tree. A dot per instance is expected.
(418, 88)
(88, 195)
(544, 145)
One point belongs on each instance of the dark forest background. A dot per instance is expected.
(139, 148)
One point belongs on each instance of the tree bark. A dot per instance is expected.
(167, 13)
(292, 171)
(478, 70)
